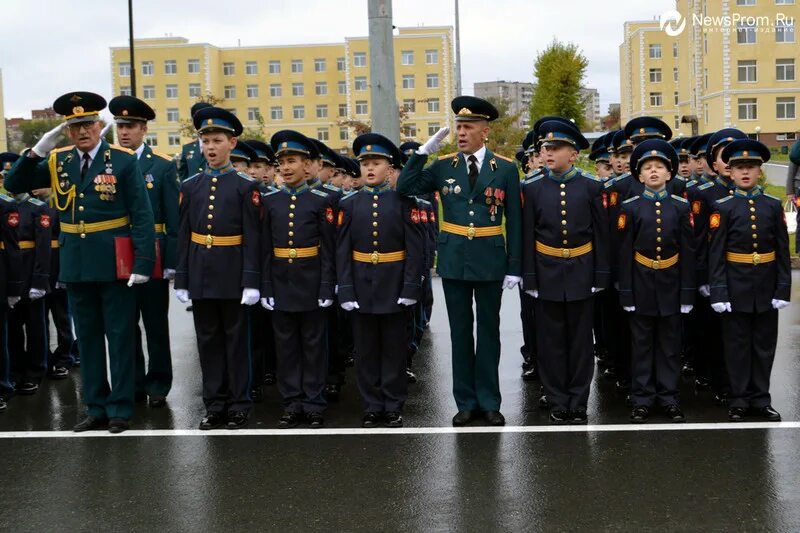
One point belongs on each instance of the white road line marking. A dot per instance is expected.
(595, 428)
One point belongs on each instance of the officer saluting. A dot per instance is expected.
(478, 189)
(100, 191)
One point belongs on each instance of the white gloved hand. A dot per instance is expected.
(35, 294)
(349, 306)
(268, 303)
(13, 300)
(183, 295)
(325, 303)
(106, 128)
(509, 282)
(533, 293)
(629, 309)
(432, 145)
(137, 279)
(779, 304)
(721, 307)
(596, 289)
(686, 309)
(60, 285)
(704, 290)
(250, 296)
(48, 141)
(406, 301)
(169, 274)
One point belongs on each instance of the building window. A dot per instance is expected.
(431, 57)
(193, 66)
(410, 130)
(675, 50)
(784, 31)
(433, 127)
(746, 33)
(747, 71)
(408, 81)
(340, 64)
(229, 92)
(151, 140)
(147, 68)
(748, 109)
(276, 113)
(125, 91)
(299, 112)
(274, 67)
(655, 51)
(655, 99)
(341, 87)
(297, 66)
(297, 89)
(407, 57)
(786, 136)
(360, 59)
(319, 65)
(251, 68)
(342, 110)
(655, 75)
(172, 91)
(124, 69)
(409, 105)
(322, 111)
(745, 2)
(432, 81)
(321, 88)
(784, 69)
(170, 67)
(275, 90)
(253, 114)
(677, 97)
(173, 115)
(194, 90)
(784, 2)
(148, 92)
(344, 134)
(360, 83)
(433, 105)
(786, 108)
(675, 74)
(322, 134)
(361, 107)
(705, 78)
(174, 139)
(228, 69)
(252, 91)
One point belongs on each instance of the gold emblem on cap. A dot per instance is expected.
(641, 130)
(284, 144)
(464, 111)
(550, 135)
(124, 112)
(654, 152)
(77, 110)
(75, 98)
(746, 153)
(210, 121)
(368, 148)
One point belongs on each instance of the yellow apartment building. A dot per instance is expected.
(729, 63)
(317, 89)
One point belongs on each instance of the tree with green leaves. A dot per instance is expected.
(559, 72)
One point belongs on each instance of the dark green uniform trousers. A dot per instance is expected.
(476, 384)
(105, 310)
(152, 303)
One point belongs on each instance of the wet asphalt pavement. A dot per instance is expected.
(702, 478)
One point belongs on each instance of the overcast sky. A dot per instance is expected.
(49, 47)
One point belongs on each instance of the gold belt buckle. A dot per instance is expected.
(471, 233)
(565, 253)
(756, 258)
(292, 253)
(209, 240)
(374, 257)
(655, 265)
(81, 227)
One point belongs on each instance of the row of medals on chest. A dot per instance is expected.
(104, 184)
(493, 197)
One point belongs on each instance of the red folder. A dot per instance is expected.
(123, 247)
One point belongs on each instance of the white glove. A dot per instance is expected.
(35, 294)
(686, 309)
(137, 279)
(596, 289)
(433, 144)
(169, 274)
(325, 303)
(349, 306)
(704, 290)
(13, 300)
(48, 141)
(268, 303)
(106, 128)
(509, 282)
(533, 293)
(250, 296)
(406, 301)
(779, 304)
(60, 285)
(183, 295)
(721, 307)
(629, 309)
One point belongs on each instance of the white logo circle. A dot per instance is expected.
(673, 23)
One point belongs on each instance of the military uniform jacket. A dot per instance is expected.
(615, 191)
(379, 220)
(55, 251)
(218, 203)
(564, 212)
(334, 193)
(161, 182)
(656, 226)
(191, 161)
(302, 220)
(496, 194)
(703, 199)
(10, 256)
(113, 188)
(747, 223)
(34, 235)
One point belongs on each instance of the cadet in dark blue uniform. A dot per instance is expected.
(565, 261)
(656, 279)
(750, 278)
(379, 264)
(298, 279)
(192, 160)
(10, 273)
(218, 268)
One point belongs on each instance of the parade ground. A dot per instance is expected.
(165, 475)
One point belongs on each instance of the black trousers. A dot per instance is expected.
(152, 304)
(223, 335)
(28, 341)
(262, 342)
(617, 334)
(427, 296)
(410, 321)
(301, 359)
(333, 345)
(708, 346)
(526, 315)
(6, 388)
(656, 359)
(381, 360)
(57, 306)
(750, 340)
(564, 349)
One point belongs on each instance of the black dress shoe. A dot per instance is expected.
(767, 413)
(236, 420)
(530, 375)
(393, 419)
(118, 425)
(494, 418)
(28, 388)
(59, 372)
(332, 391)
(411, 377)
(289, 420)
(256, 395)
(721, 399)
(687, 370)
(157, 401)
(90, 423)
(370, 420)
(736, 414)
(579, 416)
(3, 405)
(189, 308)
(316, 420)
(623, 386)
(212, 421)
(674, 413)
(463, 418)
(269, 378)
(544, 403)
(350, 361)
(610, 373)
(559, 416)
(640, 414)
(702, 383)
(76, 362)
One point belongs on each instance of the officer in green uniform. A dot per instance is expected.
(478, 189)
(152, 298)
(192, 160)
(104, 208)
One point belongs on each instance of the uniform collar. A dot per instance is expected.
(314, 183)
(719, 180)
(752, 193)
(219, 171)
(139, 151)
(563, 177)
(650, 194)
(295, 190)
(480, 154)
(383, 187)
(22, 198)
(92, 153)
